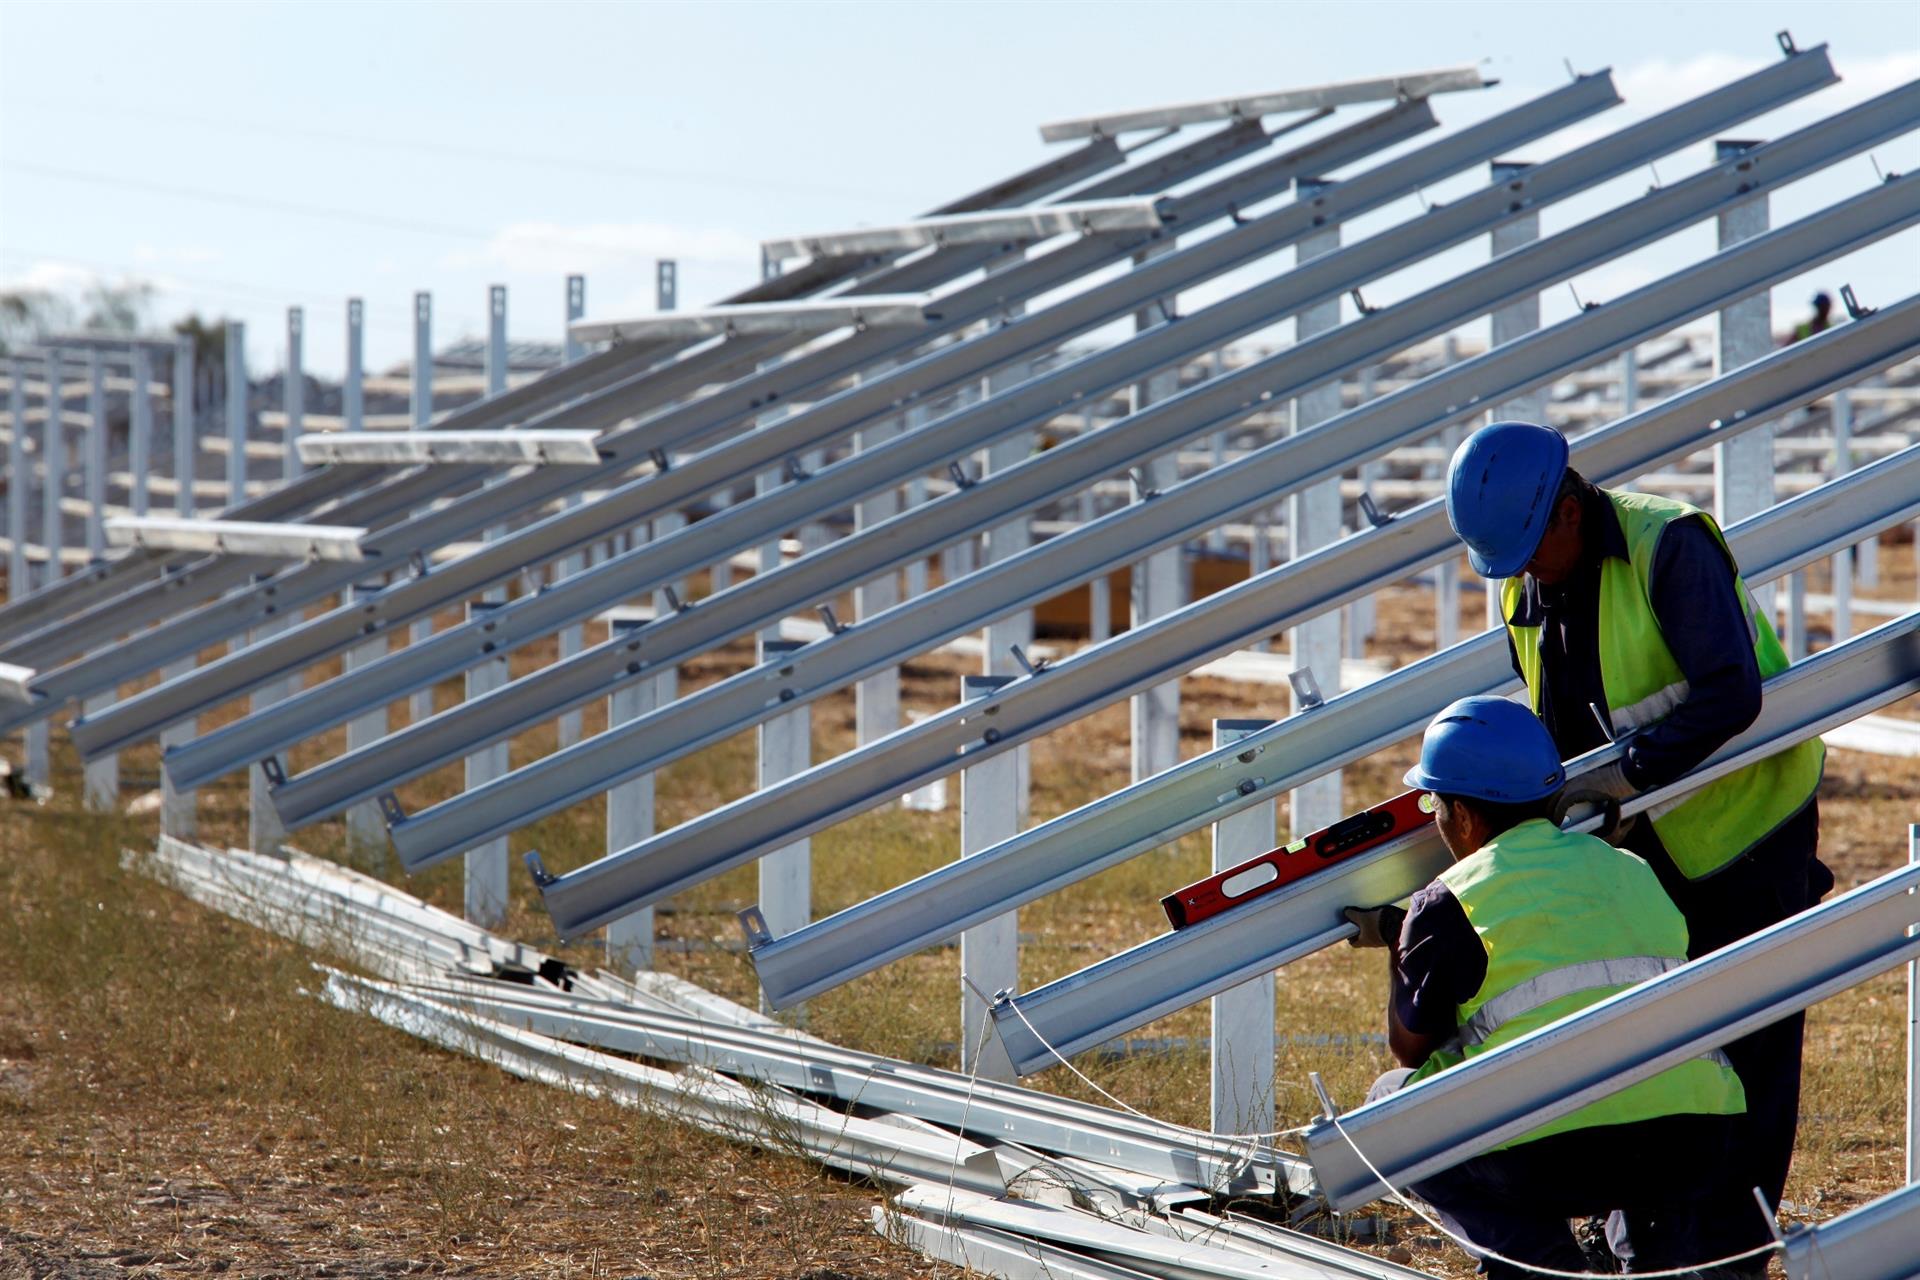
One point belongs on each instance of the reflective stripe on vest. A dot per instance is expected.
(1623, 971)
(1706, 828)
(1590, 975)
(1566, 921)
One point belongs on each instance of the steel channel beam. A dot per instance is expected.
(401, 534)
(583, 594)
(1316, 98)
(589, 675)
(1168, 973)
(611, 374)
(1019, 225)
(1873, 1242)
(985, 1251)
(1154, 812)
(908, 758)
(560, 534)
(861, 1147)
(1225, 621)
(996, 1112)
(749, 524)
(580, 378)
(1623, 1039)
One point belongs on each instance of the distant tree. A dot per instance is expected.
(29, 316)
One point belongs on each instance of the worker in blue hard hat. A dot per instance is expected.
(1531, 924)
(1628, 620)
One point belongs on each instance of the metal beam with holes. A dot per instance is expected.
(683, 424)
(748, 523)
(926, 911)
(856, 311)
(1173, 971)
(1623, 1039)
(999, 226)
(1145, 655)
(737, 703)
(980, 1108)
(693, 477)
(606, 389)
(1873, 1242)
(1419, 84)
(257, 538)
(441, 448)
(796, 586)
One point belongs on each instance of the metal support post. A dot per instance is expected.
(265, 831)
(294, 393)
(1159, 582)
(96, 453)
(366, 830)
(1913, 1035)
(54, 455)
(1795, 639)
(990, 950)
(420, 704)
(1511, 323)
(876, 699)
(19, 482)
(1843, 558)
(1243, 1016)
(1004, 541)
(186, 427)
(785, 748)
(239, 389)
(20, 573)
(180, 808)
(139, 430)
(353, 384)
(486, 864)
(573, 638)
(100, 786)
(1629, 380)
(1743, 468)
(1313, 521)
(1360, 613)
(629, 939)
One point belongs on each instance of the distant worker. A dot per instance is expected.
(1530, 924)
(1820, 322)
(1627, 618)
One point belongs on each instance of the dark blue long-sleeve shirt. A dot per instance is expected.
(1691, 588)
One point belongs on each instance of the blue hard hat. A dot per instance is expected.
(1488, 748)
(1500, 490)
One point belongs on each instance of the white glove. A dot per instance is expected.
(1608, 780)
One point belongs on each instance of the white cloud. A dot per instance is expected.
(46, 276)
(191, 255)
(547, 247)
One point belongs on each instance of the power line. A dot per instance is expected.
(396, 315)
(455, 150)
(244, 201)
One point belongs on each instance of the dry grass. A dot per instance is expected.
(168, 1096)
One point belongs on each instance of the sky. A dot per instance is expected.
(245, 157)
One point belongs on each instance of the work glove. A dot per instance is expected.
(1608, 780)
(1379, 926)
(1603, 788)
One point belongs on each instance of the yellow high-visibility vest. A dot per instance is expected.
(1568, 920)
(1710, 826)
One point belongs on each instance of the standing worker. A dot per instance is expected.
(1628, 620)
(1530, 924)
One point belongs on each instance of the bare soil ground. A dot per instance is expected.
(170, 1101)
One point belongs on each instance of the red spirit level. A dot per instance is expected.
(1280, 867)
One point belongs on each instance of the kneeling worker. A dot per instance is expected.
(1530, 924)
(1627, 618)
